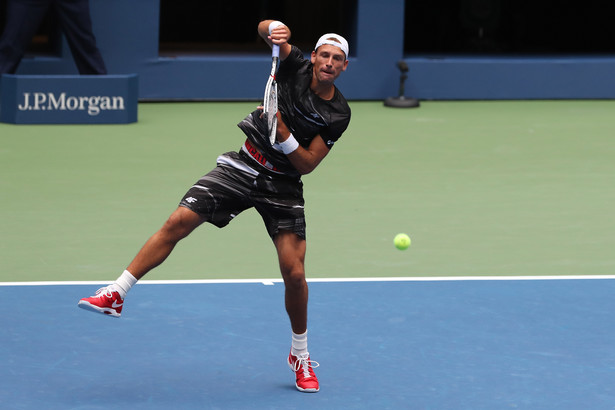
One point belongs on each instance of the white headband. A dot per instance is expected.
(328, 39)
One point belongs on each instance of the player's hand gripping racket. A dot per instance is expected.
(270, 102)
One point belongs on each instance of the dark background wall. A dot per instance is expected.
(456, 49)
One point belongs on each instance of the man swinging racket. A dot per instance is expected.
(312, 115)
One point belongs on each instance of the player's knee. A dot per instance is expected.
(294, 277)
(178, 226)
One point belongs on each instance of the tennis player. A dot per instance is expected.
(312, 115)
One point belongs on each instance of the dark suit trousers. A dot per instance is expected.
(23, 18)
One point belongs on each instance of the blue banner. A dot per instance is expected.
(69, 99)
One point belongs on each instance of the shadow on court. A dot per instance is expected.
(534, 344)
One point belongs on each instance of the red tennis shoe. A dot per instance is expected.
(306, 380)
(106, 301)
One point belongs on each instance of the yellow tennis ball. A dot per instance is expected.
(402, 241)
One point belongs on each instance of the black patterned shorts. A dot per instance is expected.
(235, 185)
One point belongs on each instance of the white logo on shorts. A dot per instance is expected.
(191, 200)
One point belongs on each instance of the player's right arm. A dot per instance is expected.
(279, 35)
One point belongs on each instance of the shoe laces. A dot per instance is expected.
(303, 362)
(106, 291)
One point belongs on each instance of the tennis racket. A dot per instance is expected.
(270, 102)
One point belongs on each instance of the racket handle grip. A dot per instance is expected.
(274, 24)
(275, 49)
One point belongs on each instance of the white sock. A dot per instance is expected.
(124, 283)
(299, 344)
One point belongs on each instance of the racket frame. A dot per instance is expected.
(270, 101)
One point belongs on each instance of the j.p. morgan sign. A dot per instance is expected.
(93, 104)
(69, 99)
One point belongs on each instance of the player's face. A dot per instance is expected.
(329, 62)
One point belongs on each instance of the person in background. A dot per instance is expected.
(23, 18)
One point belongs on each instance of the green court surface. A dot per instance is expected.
(483, 188)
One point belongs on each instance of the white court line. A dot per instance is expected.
(274, 281)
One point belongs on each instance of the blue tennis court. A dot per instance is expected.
(411, 344)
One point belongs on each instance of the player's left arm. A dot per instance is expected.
(305, 160)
